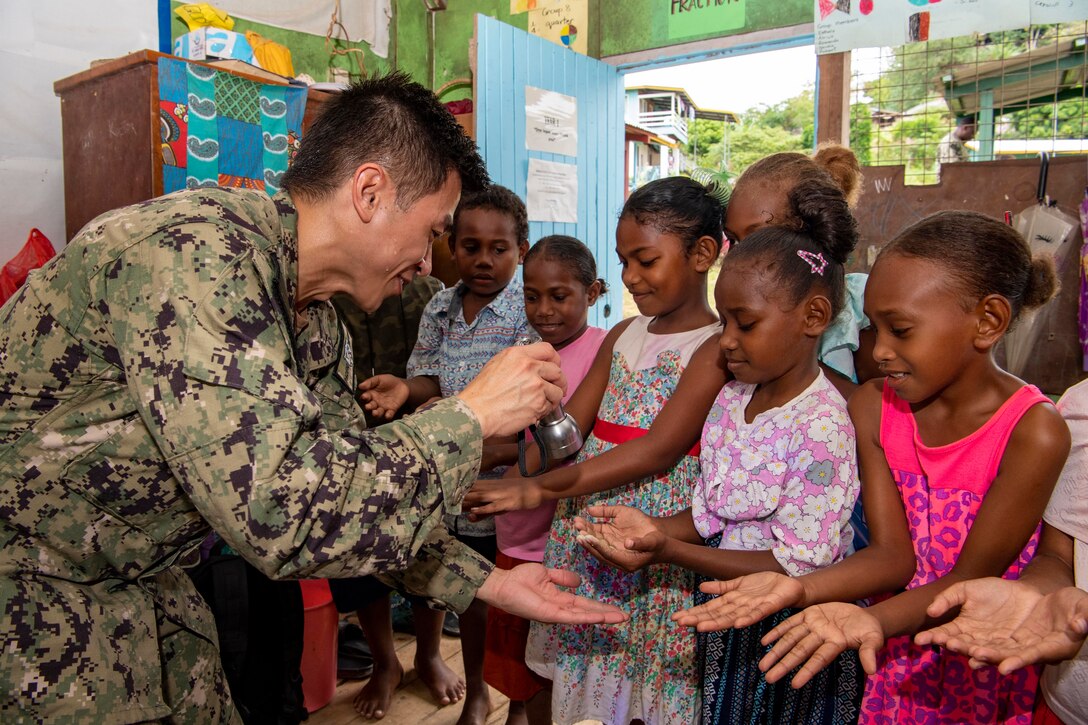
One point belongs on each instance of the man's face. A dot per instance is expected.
(399, 242)
(966, 131)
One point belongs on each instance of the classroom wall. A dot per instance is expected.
(615, 28)
(888, 206)
(50, 39)
(635, 25)
(41, 42)
(453, 30)
(308, 52)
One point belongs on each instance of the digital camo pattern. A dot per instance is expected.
(155, 383)
(382, 341)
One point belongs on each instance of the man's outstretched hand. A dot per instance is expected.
(533, 592)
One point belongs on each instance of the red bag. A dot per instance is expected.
(36, 252)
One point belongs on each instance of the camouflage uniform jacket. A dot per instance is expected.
(383, 340)
(155, 383)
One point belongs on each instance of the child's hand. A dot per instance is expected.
(817, 635)
(621, 536)
(1009, 623)
(383, 395)
(494, 496)
(742, 602)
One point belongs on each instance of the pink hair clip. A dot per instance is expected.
(815, 260)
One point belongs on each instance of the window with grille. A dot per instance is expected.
(1024, 91)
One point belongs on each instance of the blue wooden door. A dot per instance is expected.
(508, 60)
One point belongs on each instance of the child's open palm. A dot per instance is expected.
(383, 395)
(814, 637)
(742, 601)
(621, 536)
(1009, 623)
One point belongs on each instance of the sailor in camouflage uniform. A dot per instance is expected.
(178, 369)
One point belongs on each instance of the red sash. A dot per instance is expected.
(616, 434)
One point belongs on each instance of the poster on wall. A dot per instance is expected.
(521, 6)
(632, 26)
(1058, 11)
(551, 122)
(552, 192)
(699, 17)
(564, 22)
(843, 25)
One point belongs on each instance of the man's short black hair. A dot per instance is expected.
(392, 121)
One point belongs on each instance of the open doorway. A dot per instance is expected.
(719, 115)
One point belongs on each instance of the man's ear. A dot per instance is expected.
(704, 253)
(994, 315)
(369, 184)
(817, 315)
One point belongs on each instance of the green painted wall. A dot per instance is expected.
(616, 26)
(308, 53)
(634, 25)
(453, 29)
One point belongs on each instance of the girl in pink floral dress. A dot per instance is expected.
(966, 451)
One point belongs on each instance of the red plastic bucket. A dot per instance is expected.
(318, 644)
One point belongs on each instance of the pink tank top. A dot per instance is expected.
(942, 488)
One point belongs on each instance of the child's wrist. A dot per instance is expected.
(807, 597)
(666, 553)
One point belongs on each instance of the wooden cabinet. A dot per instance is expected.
(111, 135)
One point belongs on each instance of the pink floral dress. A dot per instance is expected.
(942, 490)
(644, 668)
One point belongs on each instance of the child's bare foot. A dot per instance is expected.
(373, 700)
(516, 715)
(445, 685)
(477, 708)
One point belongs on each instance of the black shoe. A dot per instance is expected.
(451, 626)
(353, 668)
(354, 660)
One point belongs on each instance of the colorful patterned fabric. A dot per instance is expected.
(942, 490)
(786, 482)
(218, 129)
(735, 691)
(644, 668)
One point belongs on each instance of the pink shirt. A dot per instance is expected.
(523, 534)
(942, 489)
